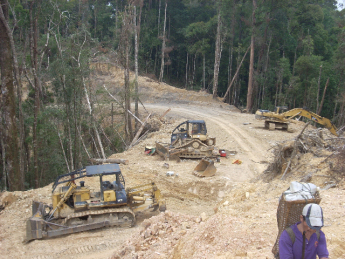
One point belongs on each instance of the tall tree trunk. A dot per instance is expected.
(163, 44)
(231, 49)
(8, 105)
(137, 37)
(218, 54)
(318, 90)
(33, 51)
(159, 16)
(233, 79)
(126, 35)
(193, 75)
(18, 83)
(251, 65)
(95, 14)
(136, 88)
(203, 70)
(265, 70)
(186, 85)
(323, 97)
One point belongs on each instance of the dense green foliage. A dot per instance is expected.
(299, 50)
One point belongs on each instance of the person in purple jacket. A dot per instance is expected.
(305, 240)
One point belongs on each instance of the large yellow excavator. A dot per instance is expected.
(281, 118)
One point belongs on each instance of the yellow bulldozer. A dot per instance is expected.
(189, 140)
(281, 118)
(75, 208)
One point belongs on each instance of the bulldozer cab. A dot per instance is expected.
(111, 188)
(189, 129)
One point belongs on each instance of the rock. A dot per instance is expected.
(203, 216)
(247, 195)
(155, 230)
(185, 225)
(170, 173)
(147, 234)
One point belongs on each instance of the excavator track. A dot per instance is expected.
(116, 216)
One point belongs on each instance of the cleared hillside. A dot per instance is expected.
(230, 215)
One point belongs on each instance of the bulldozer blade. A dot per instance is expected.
(205, 168)
(34, 224)
(37, 229)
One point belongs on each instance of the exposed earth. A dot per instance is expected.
(229, 215)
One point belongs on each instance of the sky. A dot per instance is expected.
(341, 2)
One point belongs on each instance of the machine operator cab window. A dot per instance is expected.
(198, 127)
(179, 133)
(110, 190)
(195, 129)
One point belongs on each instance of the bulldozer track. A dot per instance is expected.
(99, 212)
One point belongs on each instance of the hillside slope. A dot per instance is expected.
(230, 215)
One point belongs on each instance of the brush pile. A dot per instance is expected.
(312, 154)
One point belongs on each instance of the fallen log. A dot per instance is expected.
(109, 160)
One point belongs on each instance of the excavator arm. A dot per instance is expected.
(312, 116)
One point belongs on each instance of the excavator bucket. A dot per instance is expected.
(205, 168)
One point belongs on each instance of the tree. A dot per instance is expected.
(163, 43)
(251, 64)
(126, 32)
(218, 52)
(136, 46)
(9, 129)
